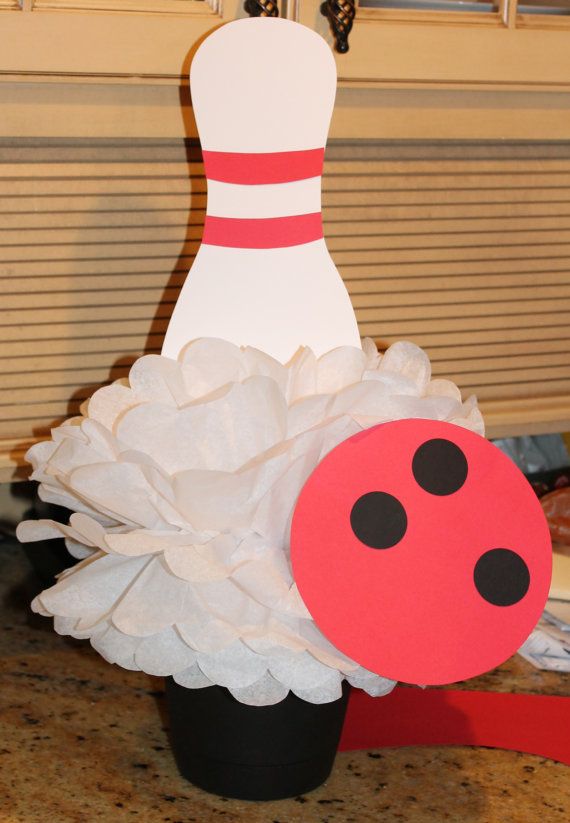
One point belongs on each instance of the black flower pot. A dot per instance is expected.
(253, 752)
(48, 558)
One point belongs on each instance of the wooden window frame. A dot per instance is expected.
(424, 49)
(154, 39)
(77, 39)
(84, 72)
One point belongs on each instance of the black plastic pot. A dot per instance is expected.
(253, 752)
(48, 558)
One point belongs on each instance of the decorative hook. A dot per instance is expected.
(340, 14)
(262, 8)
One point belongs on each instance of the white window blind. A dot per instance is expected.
(463, 248)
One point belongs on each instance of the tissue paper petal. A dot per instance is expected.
(197, 564)
(92, 588)
(192, 678)
(325, 693)
(31, 530)
(139, 542)
(153, 602)
(300, 671)
(339, 368)
(222, 434)
(164, 654)
(117, 647)
(206, 633)
(408, 360)
(234, 666)
(108, 403)
(264, 692)
(371, 683)
(209, 364)
(155, 378)
(78, 550)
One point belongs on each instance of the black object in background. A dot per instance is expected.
(48, 558)
(547, 481)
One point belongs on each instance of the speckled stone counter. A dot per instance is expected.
(84, 741)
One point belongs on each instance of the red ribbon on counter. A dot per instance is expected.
(531, 723)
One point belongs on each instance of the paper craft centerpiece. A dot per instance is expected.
(419, 551)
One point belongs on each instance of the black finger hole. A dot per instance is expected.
(439, 467)
(378, 520)
(501, 577)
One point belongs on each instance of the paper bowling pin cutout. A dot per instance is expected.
(263, 91)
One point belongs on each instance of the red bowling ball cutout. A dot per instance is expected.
(421, 552)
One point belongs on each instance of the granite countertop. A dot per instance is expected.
(83, 741)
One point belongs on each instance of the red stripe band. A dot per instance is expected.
(261, 169)
(262, 232)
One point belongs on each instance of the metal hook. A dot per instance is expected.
(341, 14)
(262, 8)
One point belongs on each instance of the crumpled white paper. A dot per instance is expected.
(183, 481)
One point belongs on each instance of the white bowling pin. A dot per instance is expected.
(263, 91)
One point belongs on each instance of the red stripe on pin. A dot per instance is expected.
(250, 169)
(262, 232)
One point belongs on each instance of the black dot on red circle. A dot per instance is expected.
(501, 577)
(378, 520)
(439, 467)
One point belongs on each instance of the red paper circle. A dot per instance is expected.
(413, 611)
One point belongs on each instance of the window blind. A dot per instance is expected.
(463, 248)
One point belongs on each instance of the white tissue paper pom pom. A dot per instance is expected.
(184, 480)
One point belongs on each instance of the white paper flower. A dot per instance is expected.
(183, 481)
